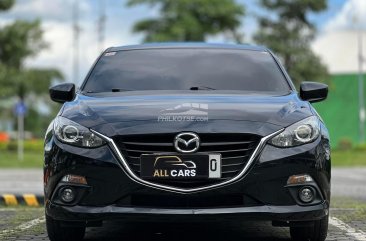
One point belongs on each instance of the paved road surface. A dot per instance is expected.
(21, 181)
(350, 182)
(250, 231)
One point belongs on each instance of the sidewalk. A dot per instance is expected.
(21, 181)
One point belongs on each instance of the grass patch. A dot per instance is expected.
(348, 209)
(9, 159)
(349, 158)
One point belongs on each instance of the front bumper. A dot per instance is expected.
(291, 213)
(263, 188)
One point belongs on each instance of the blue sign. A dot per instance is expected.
(20, 108)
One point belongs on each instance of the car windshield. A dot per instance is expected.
(186, 69)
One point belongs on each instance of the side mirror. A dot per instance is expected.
(62, 93)
(313, 91)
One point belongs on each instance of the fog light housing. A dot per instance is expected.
(306, 194)
(67, 194)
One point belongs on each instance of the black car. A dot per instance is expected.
(188, 132)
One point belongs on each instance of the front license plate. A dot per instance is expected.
(185, 166)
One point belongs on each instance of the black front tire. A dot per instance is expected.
(58, 232)
(316, 232)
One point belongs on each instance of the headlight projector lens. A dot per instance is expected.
(303, 133)
(70, 133)
(306, 194)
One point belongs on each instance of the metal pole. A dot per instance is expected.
(361, 88)
(101, 25)
(20, 137)
(76, 31)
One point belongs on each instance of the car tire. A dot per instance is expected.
(58, 232)
(316, 232)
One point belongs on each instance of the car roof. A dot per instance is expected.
(188, 45)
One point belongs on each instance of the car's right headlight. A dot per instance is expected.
(302, 132)
(72, 133)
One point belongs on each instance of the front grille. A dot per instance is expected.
(235, 150)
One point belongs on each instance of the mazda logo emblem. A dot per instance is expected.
(187, 142)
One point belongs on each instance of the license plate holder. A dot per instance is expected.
(181, 166)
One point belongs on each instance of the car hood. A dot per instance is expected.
(166, 111)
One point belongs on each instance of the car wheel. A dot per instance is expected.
(316, 232)
(58, 232)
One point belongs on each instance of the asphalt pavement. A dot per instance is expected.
(34, 230)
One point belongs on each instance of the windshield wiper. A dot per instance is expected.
(119, 90)
(113, 90)
(201, 88)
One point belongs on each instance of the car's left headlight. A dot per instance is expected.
(72, 133)
(302, 132)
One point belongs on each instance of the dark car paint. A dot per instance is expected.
(109, 184)
(264, 186)
(128, 112)
(265, 182)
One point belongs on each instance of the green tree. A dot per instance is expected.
(6, 4)
(186, 20)
(19, 41)
(288, 34)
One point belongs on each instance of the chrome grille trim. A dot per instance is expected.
(130, 173)
(235, 148)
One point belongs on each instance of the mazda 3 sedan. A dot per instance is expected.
(187, 132)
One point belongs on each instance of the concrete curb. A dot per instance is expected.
(26, 199)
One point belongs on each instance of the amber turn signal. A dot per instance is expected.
(74, 179)
(299, 179)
